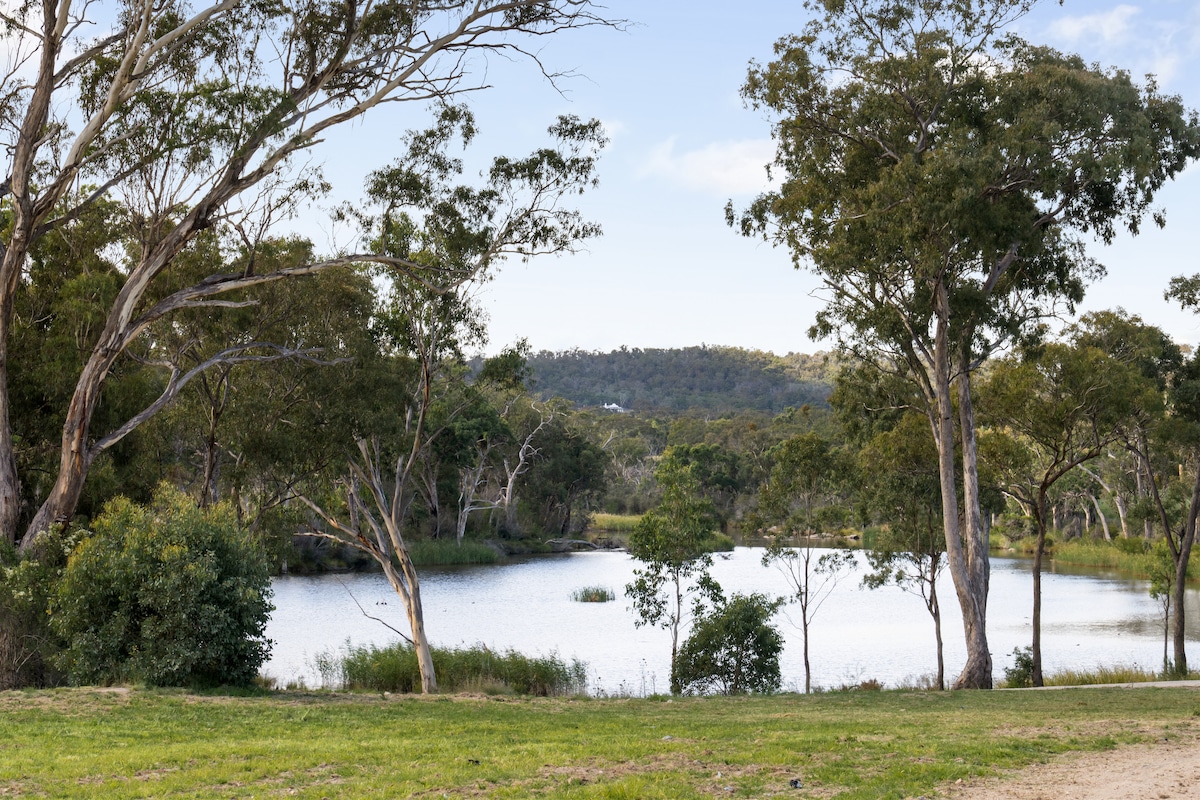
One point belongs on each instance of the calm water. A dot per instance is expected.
(1089, 619)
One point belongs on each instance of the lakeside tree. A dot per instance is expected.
(803, 486)
(733, 649)
(938, 177)
(1124, 475)
(1057, 408)
(201, 121)
(673, 543)
(451, 235)
(900, 481)
(1171, 455)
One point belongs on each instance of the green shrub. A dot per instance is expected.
(394, 669)
(731, 650)
(27, 644)
(719, 543)
(593, 594)
(169, 595)
(1020, 674)
(1134, 545)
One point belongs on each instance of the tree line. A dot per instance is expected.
(711, 378)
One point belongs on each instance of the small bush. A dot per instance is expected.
(593, 594)
(731, 650)
(1131, 546)
(394, 669)
(719, 543)
(171, 595)
(1020, 674)
(27, 643)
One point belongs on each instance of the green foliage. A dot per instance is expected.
(394, 669)
(167, 594)
(567, 480)
(28, 646)
(1134, 546)
(1020, 674)
(732, 649)
(444, 552)
(806, 486)
(672, 542)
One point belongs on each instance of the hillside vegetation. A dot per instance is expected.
(680, 379)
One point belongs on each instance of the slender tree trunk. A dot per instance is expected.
(1187, 538)
(1100, 516)
(807, 666)
(937, 633)
(676, 688)
(1037, 587)
(935, 611)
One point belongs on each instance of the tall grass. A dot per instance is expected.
(615, 523)
(473, 669)
(446, 552)
(1099, 676)
(1125, 555)
(593, 594)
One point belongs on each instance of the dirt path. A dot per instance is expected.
(1162, 771)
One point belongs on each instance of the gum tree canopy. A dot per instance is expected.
(939, 177)
(198, 117)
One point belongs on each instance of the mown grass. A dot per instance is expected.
(87, 743)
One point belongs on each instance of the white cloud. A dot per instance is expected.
(1110, 26)
(736, 167)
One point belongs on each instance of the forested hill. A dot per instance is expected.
(712, 378)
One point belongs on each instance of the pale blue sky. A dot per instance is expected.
(668, 272)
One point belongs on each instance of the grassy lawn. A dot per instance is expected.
(90, 743)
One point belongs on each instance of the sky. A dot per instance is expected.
(668, 272)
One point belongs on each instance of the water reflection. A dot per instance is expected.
(1088, 620)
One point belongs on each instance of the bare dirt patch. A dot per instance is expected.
(1164, 770)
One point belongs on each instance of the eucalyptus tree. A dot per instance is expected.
(1171, 454)
(254, 428)
(807, 486)
(1061, 406)
(898, 469)
(199, 120)
(1123, 474)
(448, 235)
(673, 544)
(938, 177)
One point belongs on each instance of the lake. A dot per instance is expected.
(1090, 618)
